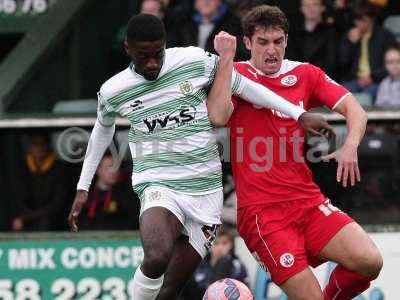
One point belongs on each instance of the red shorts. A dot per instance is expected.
(286, 237)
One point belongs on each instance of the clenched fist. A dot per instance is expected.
(225, 45)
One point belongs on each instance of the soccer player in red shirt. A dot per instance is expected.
(285, 220)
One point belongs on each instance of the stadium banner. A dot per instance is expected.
(20, 8)
(68, 269)
(385, 287)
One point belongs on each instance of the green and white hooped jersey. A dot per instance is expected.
(171, 138)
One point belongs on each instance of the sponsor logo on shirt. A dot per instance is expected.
(136, 105)
(254, 73)
(289, 80)
(178, 117)
(287, 260)
(186, 88)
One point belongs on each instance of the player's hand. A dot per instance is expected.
(347, 160)
(316, 125)
(225, 45)
(80, 200)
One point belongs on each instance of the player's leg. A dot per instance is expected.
(182, 265)
(334, 236)
(359, 262)
(281, 251)
(188, 253)
(302, 286)
(159, 230)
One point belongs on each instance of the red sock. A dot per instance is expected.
(345, 285)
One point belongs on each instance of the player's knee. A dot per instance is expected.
(369, 263)
(156, 262)
(373, 264)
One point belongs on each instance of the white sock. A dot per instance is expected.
(145, 288)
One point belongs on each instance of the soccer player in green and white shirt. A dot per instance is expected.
(176, 169)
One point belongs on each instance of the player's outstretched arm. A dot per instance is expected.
(261, 96)
(346, 156)
(219, 104)
(100, 139)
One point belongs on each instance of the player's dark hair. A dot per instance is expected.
(145, 28)
(264, 16)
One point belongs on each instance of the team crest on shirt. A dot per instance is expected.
(287, 260)
(289, 80)
(186, 87)
(153, 196)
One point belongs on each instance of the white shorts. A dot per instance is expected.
(195, 212)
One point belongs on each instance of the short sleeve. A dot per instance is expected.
(105, 112)
(326, 91)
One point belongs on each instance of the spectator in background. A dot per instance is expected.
(387, 8)
(209, 18)
(389, 88)
(340, 16)
(220, 263)
(42, 188)
(110, 204)
(313, 40)
(361, 52)
(289, 7)
(153, 7)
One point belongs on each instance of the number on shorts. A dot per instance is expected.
(327, 208)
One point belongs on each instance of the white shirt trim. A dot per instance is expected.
(286, 66)
(340, 100)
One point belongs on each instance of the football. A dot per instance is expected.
(228, 289)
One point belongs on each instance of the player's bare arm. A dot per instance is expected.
(219, 103)
(346, 156)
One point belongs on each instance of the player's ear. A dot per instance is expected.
(126, 46)
(247, 42)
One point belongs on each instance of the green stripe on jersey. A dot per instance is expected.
(185, 72)
(174, 133)
(236, 84)
(156, 160)
(211, 182)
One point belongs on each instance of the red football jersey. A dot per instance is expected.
(267, 147)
